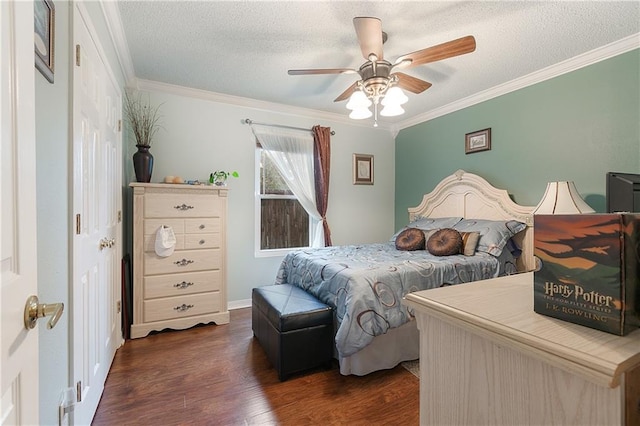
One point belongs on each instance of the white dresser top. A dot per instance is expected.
(501, 310)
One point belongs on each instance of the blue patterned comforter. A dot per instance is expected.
(366, 283)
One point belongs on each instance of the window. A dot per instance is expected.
(283, 222)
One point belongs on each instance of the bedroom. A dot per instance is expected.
(576, 126)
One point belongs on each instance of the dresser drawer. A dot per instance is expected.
(181, 205)
(182, 261)
(150, 242)
(181, 284)
(188, 242)
(181, 306)
(201, 241)
(151, 226)
(200, 225)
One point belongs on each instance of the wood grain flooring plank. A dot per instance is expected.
(219, 375)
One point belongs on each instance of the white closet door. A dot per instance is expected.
(97, 198)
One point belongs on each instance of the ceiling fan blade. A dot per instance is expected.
(323, 71)
(442, 51)
(345, 95)
(369, 32)
(412, 84)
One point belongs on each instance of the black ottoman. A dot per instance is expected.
(294, 328)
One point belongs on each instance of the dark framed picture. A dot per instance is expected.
(44, 36)
(477, 141)
(362, 169)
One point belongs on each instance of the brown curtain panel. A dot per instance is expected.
(321, 166)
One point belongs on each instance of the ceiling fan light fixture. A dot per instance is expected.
(392, 111)
(358, 100)
(377, 81)
(360, 113)
(394, 97)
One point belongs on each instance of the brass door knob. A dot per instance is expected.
(34, 310)
(107, 243)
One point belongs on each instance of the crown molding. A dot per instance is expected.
(119, 39)
(589, 58)
(149, 85)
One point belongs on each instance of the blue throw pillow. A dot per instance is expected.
(494, 234)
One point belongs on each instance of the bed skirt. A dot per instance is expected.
(384, 352)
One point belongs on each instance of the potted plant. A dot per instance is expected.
(144, 120)
(219, 177)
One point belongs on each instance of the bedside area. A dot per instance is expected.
(487, 358)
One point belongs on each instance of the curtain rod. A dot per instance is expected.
(249, 121)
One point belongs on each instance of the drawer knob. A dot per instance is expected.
(183, 262)
(183, 207)
(182, 285)
(183, 308)
(201, 242)
(202, 226)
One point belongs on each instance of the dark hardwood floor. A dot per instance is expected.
(219, 375)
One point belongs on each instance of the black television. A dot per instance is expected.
(623, 192)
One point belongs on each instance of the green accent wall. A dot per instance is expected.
(577, 126)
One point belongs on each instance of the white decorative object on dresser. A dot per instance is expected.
(187, 286)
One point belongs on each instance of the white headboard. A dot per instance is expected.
(470, 196)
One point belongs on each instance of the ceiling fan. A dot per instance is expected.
(376, 76)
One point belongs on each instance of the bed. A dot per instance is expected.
(365, 284)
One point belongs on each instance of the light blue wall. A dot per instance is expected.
(201, 136)
(577, 126)
(53, 159)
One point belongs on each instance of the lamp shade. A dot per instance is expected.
(358, 100)
(562, 198)
(394, 97)
(392, 110)
(360, 113)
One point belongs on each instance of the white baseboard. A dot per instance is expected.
(239, 304)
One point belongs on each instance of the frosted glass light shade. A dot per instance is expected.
(360, 113)
(394, 96)
(392, 110)
(562, 198)
(358, 100)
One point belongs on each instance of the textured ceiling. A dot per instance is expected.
(245, 48)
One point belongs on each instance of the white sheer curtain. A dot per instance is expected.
(292, 153)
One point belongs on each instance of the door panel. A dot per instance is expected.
(18, 250)
(97, 154)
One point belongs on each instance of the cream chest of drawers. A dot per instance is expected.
(486, 358)
(188, 287)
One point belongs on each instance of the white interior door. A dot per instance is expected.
(19, 363)
(97, 199)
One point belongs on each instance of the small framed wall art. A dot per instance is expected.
(362, 169)
(477, 141)
(44, 36)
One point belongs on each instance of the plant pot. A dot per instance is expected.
(143, 163)
(220, 182)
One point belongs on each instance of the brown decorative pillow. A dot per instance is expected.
(445, 242)
(410, 239)
(469, 242)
